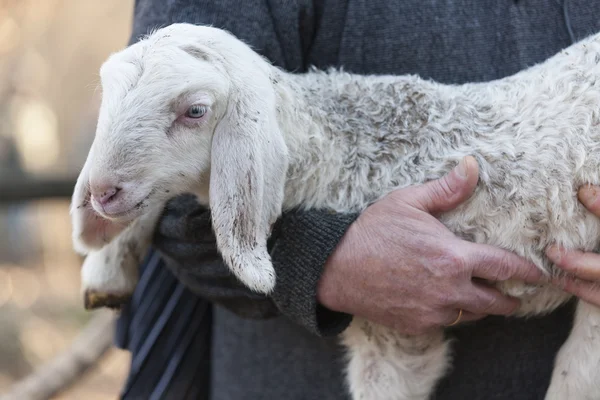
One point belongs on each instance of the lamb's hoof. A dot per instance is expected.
(93, 299)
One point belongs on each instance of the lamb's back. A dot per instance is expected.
(535, 136)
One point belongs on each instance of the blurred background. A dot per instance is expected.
(50, 53)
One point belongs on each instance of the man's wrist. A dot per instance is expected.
(306, 241)
(330, 288)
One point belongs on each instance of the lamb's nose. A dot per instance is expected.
(104, 193)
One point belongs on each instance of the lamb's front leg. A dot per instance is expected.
(576, 372)
(386, 365)
(109, 275)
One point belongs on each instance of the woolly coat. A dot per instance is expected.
(462, 41)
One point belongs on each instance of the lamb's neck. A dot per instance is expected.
(344, 132)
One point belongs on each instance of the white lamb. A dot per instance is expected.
(193, 109)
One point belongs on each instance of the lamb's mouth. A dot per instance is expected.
(131, 213)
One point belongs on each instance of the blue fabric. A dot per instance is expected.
(167, 330)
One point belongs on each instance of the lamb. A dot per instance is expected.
(194, 109)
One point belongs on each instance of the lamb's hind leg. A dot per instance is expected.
(576, 372)
(109, 275)
(385, 365)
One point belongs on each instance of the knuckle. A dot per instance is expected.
(444, 298)
(395, 196)
(445, 187)
(501, 271)
(492, 258)
(453, 261)
(572, 264)
(500, 266)
(510, 265)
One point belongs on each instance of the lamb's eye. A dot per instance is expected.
(196, 111)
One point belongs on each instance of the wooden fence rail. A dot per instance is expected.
(27, 189)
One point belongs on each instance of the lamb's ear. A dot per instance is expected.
(90, 230)
(248, 168)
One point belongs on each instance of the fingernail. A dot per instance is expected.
(461, 168)
(553, 253)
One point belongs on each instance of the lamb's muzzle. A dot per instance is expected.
(267, 141)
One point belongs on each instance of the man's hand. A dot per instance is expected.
(397, 265)
(584, 268)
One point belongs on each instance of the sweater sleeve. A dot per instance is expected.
(299, 246)
(305, 242)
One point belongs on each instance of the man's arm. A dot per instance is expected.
(300, 245)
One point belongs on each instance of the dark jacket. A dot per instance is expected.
(195, 333)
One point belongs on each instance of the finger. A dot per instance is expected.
(485, 300)
(448, 192)
(467, 316)
(587, 291)
(581, 264)
(589, 196)
(496, 264)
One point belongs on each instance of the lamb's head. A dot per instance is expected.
(188, 109)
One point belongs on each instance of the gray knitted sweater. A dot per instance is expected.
(243, 346)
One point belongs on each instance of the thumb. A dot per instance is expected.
(449, 191)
